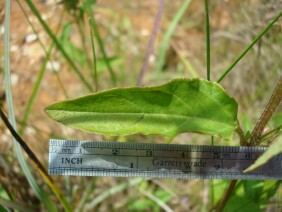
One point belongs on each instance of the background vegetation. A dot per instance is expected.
(54, 61)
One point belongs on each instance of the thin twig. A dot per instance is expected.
(271, 106)
(208, 40)
(22, 143)
(227, 195)
(35, 161)
(151, 43)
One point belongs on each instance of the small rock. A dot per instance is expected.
(53, 66)
(30, 38)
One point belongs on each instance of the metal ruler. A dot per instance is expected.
(149, 160)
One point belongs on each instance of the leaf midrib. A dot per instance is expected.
(155, 114)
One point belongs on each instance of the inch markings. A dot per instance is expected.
(148, 160)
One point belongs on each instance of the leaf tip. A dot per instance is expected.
(250, 168)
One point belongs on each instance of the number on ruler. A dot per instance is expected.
(248, 156)
(149, 152)
(183, 154)
(216, 155)
(53, 149)
(115, 151)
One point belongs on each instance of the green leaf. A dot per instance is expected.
(163, 195)
(2, 208)
(276, 119)
(219, 188)
(75, 53)
(252, 195)
(87, 4)
(272, 151)
(102, 64)
(140, 205)
(181, 105)
(270, 188)
(253, 189)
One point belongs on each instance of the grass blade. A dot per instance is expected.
(41, 72)
(208, 50)
(208, 41)
(116, 189)
(40, 194)
(57, 43)
(95, 76)
(249, 47)
(15, 206)
(34, 92)
(42, 45)
(188, 65)
(169, 32)
(102, 48)
(155, 199)
(86, 195)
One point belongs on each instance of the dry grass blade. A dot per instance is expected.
(36, 162)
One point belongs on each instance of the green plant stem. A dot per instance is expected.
(208, 75)
(102, 48)
(43, 46)
(36, 162)
(39, 78)
(151, 43)
(249, 47)
(208, 40)
(168, 34)
(227, 196)
(95, 76)
(79, 23)
(241, 135)
(57, 43)
(270, 108)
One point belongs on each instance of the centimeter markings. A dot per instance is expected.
(148, 160)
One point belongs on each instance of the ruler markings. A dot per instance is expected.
(71, 157)
(152, 174)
